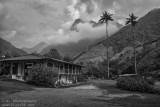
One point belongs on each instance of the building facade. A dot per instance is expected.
(19, 66)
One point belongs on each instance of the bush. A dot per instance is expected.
(82, 78)
(137, 84)
(42, 76)
(154, 74)
(150, 80)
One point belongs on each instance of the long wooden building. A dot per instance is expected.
(19, 66)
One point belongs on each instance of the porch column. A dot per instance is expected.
(63, 68)
(72, 71)
(45, 63)
(58, 71)
(68, 72)
(11, 70)
(76, 73)
(19, 69)
(23, 67)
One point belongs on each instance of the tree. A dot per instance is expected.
(105, 18)
(133, 21)
(53, 53)
(67, 58)
(6, 55)
(35, 53)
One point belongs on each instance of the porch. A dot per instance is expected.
(18, 67)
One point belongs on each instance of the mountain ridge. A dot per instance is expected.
(37, 48)
(72, 49)
(146, 30)
(7, 48)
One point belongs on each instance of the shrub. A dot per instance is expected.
(42, 76)
(150, 80)
(137, 84)
(82, 78)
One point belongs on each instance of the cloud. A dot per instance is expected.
(28, 22)
(86, 31)
(30, 19)
(84, 9)
(122, 8)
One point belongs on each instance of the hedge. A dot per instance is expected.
(138, 84)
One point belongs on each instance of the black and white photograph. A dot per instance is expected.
(79, 53)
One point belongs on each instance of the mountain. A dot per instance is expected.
(75, 23)
(8, 48)
(71, 48)
(37, 48)
(94, 24)
(121, 50)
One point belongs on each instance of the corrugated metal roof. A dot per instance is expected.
(34, 57)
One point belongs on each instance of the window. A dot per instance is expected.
(29, 65)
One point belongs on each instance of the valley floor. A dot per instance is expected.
(95, 93)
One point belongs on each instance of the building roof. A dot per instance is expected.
(25, 57)
(34, 57)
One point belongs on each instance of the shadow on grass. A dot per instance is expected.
(11, 86)
(132, 101)
(112, 89)
(149, 100)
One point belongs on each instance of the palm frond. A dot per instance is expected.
(132, 19)
(106, 17)
(127, 22)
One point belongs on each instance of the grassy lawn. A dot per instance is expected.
(95, 93)
(12, 86)
(126, 98)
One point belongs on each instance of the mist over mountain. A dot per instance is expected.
(73, 48)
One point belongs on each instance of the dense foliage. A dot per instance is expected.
(42, 76)
(82, 78)
(4, 70)
(53, 53)
(137, 83)
(67, 58)
(100, 71)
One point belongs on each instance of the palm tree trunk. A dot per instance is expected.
(135, 59)
(107, 50)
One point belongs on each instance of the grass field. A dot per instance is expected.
(12, 86)
(95, 93)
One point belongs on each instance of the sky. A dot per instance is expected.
(25, 23)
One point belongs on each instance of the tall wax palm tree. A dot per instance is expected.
(105, 18)
(133, 21)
